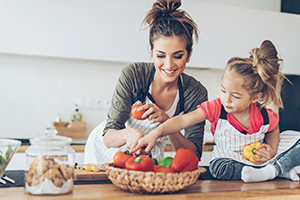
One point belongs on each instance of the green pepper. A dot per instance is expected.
(166, 162)
(184, 160)
(155, 162)
(140, 163)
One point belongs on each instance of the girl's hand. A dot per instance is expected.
(265, 154)
(153, 113)
(147, 143)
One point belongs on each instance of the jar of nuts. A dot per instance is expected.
(49, 164)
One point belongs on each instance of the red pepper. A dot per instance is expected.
(140, 163)
(184, 160)
(120, 158)
(159, 168)
(156, 167)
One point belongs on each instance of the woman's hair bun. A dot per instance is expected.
(166, 7)
(167, 19)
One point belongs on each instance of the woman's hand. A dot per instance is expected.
(154, 113)
(265, 154)
(132, 138)
(146, 143)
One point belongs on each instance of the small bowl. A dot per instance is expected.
(151, 182)
(8, 147)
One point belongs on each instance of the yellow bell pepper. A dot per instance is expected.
(248, 151)
(91, 168)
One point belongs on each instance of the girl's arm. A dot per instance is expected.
(169, 127)
(272, 141)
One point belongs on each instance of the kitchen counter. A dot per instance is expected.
(206, 189)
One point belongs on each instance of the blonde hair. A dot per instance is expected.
(166, 19)
(261, 73)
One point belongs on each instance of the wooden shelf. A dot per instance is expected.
(74, 130)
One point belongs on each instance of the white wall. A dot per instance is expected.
(270, 5)
(109, 30)
(35, 89)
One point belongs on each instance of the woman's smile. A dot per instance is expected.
(169, 72)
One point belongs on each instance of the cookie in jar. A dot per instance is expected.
(49, 165)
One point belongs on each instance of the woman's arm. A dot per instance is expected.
(115, 134)
(117, 138)
(179, 141)
(192, 138)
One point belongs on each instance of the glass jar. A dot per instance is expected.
(49, 164)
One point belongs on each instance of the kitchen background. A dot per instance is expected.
(56, 54)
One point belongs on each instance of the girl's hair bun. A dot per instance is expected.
(261, 73)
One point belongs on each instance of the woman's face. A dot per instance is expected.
(170, 57)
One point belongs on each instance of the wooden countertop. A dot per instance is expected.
(206, 189)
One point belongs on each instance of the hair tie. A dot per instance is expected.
(255, 62)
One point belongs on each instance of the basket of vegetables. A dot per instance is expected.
(143, 174)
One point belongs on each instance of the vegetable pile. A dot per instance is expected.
(184, 160)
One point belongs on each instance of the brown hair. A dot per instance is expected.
(260, 73)
(165, 19)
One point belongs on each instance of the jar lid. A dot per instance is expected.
(51, 139)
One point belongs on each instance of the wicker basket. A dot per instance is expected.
(151, 182)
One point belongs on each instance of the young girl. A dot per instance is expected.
(239, 117)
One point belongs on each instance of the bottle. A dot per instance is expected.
(76, 117)
(58, 119)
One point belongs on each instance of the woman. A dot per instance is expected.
(162, 86)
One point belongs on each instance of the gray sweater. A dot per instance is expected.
(135, 77)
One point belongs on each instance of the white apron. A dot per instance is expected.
(96, 152)
(230, 142)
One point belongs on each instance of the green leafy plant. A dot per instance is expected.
(5, 158)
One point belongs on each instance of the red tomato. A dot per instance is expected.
(137, 114)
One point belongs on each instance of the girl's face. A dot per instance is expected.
(234, 98)
(170, 57)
